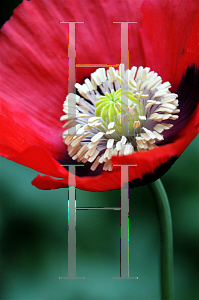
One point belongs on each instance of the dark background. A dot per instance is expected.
(34, 236)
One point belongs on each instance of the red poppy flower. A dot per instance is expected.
(35, 73)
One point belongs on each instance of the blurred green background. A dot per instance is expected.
(34, 236)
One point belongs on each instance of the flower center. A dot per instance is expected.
(120, 111)
(118, 107)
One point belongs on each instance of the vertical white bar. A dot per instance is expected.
(71, 224)
(71, 71)
(71, 57)
(125, 61)
(124, 221)
(124, 224)
(124, 44)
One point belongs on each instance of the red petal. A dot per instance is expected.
(170, 37)
(34, 55)
(20, 131)
(101, 38)
(147, 162)
(41, 160)
(49, 183)
(34, 49)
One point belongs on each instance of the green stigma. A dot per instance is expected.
(119, 107)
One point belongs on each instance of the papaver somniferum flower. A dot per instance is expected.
(158, 103)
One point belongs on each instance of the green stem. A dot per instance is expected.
(164, 212)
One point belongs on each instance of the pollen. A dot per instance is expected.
(117, 112)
